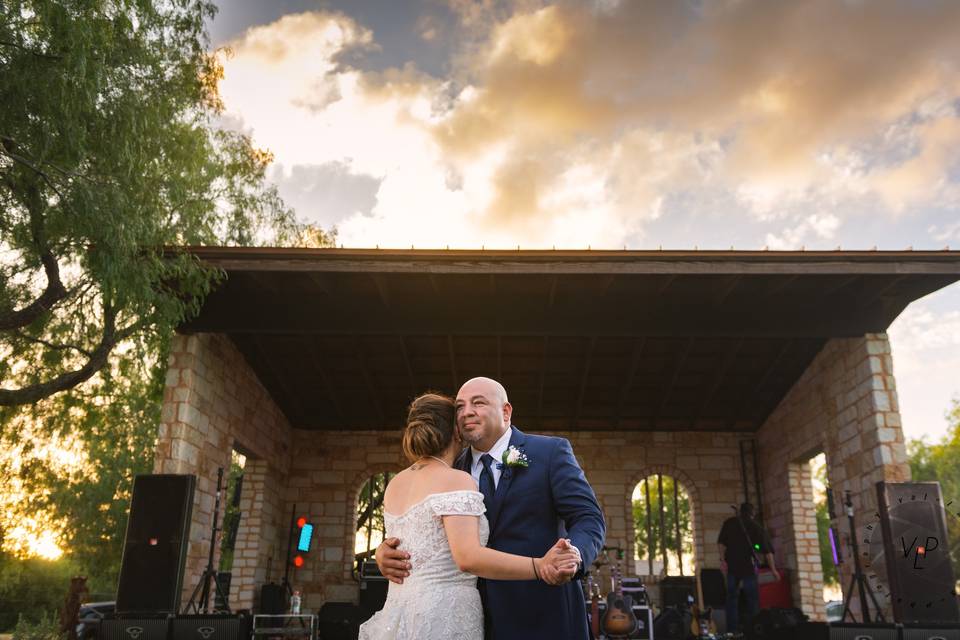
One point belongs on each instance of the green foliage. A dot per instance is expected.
(45, 628)
(941, 463)
(108, 154)
(231, 512)
(644, 546)
(370, 506)
(30, 590)
(830, 575)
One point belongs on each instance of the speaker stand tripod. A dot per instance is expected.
(863, 588)
(203, 587)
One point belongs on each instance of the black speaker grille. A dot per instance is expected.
(155, 548)
(133, 629)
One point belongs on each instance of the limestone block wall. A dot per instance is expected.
(844, 405)
(330, 468)
(212, 403)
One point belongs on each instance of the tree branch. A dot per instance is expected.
(48, 56)
(55, 291)
(52, 345)
(97, 360)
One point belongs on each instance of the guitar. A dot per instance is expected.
(701, 623)
(594, 591)
(619, 619)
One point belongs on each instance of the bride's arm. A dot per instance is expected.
(463, 533)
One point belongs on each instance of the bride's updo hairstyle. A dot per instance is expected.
(431, 420)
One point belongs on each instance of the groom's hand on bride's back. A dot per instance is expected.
(560, 563)
(394, 564)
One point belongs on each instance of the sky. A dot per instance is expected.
(810, 124)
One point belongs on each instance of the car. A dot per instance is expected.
(834, 610)
(91, 613)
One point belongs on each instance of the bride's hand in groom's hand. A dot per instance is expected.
(394, 564)
(560, 563)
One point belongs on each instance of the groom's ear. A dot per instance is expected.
(507, 412)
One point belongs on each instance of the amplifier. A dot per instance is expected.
(134, 629)
(210, 627)
(931, 632)
(644, 617)
(857, 631)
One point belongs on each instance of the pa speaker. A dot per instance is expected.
(133, 629)
(713, 584)
(273, 599)
(339, 621)
(931, 632)
(856, 631)
(210, 627)
(675, 591)
(373, 595)
(155, 547)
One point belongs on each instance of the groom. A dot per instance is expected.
(528, 508)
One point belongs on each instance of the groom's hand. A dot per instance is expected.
(393, 563)
(560, 563)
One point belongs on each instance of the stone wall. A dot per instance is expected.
(212, 403)
(330, 468)
(845, 405)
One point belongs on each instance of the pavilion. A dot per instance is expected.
(727, 370)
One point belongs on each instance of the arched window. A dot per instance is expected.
(662, 527)
(370, 526)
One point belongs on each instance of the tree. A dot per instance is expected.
(109, 154)
(941, 463)
(645, 547)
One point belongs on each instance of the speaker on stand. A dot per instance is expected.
(155, 546)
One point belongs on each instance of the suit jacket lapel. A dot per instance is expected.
(506, 479)
(463, 461)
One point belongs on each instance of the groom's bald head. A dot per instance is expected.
(496, 389)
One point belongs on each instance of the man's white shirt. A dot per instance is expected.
(496, 452)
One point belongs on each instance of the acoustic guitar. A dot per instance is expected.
(619, 619)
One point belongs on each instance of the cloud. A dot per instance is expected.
(575, 122)
(926, 357)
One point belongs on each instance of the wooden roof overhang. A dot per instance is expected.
(584, 340)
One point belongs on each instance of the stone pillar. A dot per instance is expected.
(212, 403)
(845, 405)
(259, 553)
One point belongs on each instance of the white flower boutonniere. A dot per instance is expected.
(514, 457)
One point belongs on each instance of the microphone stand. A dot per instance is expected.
(862, 586)
(203, 587)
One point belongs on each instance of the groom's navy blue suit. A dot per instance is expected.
(534, 506)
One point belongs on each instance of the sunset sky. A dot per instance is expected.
(744, 123)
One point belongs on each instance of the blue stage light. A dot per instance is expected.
(306, 533)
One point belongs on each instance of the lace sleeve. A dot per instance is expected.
(458, 503)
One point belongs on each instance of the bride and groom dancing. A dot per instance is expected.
(528, 533)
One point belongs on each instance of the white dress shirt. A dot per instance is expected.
(496, 452)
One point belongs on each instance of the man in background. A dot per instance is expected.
(742, 542)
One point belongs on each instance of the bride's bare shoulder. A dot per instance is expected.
(456, 480)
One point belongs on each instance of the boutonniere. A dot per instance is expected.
(514, 457)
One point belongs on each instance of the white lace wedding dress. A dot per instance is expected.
(436, 601)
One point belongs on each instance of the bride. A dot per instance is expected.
(438, 514)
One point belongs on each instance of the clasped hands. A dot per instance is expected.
(556, 567)
(559, 564)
